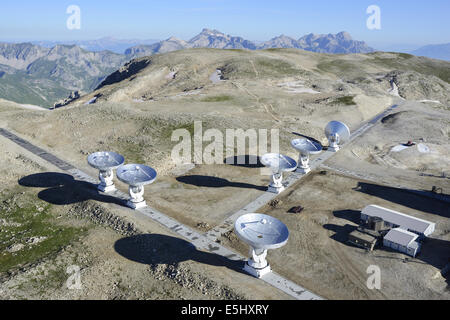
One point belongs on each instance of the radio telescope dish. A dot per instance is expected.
(305, 147)
(106, 162)
(337, 133)
(136, 176)
(278, 163)
(261, 232)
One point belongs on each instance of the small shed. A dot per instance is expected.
(362, 240)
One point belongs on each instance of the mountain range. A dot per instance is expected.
(435, 51)
(106, 43)
(42, 73)
(329, 43)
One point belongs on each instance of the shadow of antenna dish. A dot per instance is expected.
(136, 176)
(305, 147)
(261, 232)
(105, 162)
(337, 134)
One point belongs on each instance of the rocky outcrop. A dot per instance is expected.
(74, 95)
(127, 71)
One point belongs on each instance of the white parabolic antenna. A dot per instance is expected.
(106, 162)
(278, 163)
(136, 176)
(261, 232)
(337, 133)
(305, 147)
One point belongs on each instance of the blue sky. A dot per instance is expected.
(402, 22)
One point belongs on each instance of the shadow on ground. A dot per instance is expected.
(340, 232)
(247, 161)
(154, 249)
(350, 215)
(405, 198)
(215, 182)
(63, 189)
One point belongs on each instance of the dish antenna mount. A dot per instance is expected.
(136, 176)
(305, 147)
(106, 162)
(261, 232)
(278, 164)
(337, 133)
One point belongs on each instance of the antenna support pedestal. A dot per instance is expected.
(332, 148)
(275, 185)
(303, 164)
(257, 264)
(334, 142)
(136, 197)
(106, 181)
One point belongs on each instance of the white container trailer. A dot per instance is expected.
(402, 240)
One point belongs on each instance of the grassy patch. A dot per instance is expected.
(20, 224)
(425, 66)
(405, 55)
(337, 66)
(346, 100)
(152, 132)
(221, 98)
(272, 67)
(132, 151)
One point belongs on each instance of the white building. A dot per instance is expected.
(403, 241)
(395, 219)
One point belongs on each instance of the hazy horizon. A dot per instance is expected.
(413, 23)
(385, 46)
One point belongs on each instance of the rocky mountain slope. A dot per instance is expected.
(192, 71)
(33, 74)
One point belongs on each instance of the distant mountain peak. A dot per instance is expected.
(175, 39)
(435, 51)
(212, 31)
(344, 35)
